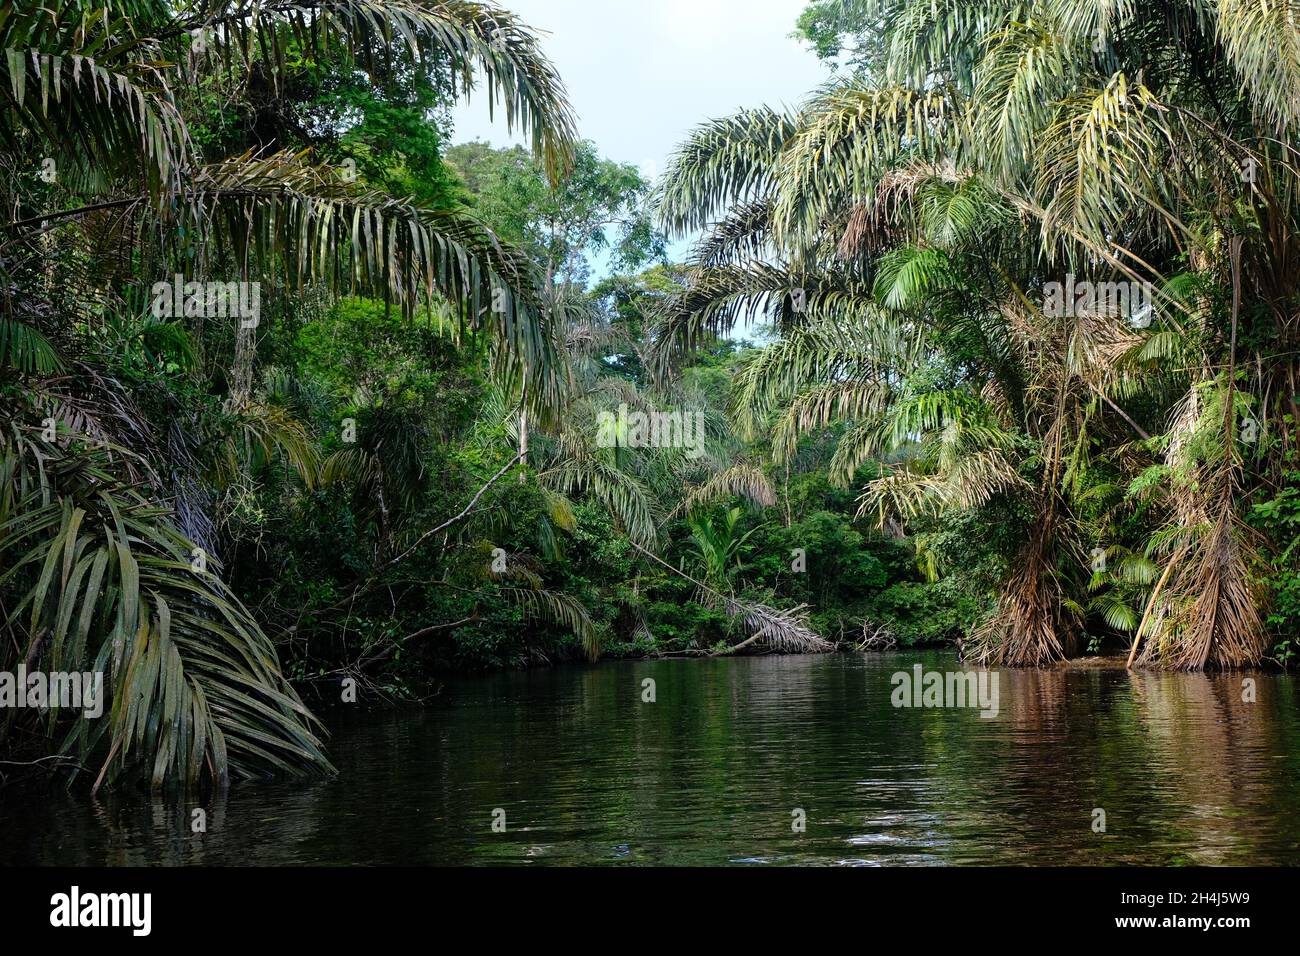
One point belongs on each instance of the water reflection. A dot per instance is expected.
(1185, 770)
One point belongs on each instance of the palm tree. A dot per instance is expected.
(97, 571)
(718, 547)
(984, 150)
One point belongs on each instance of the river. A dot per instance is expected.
(747, 761)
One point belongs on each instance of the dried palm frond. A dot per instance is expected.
(1033, 625)
(1208, 615)
(784, 630)
(1208, 612)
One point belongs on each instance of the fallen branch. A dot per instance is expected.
(384, 652)
(451, 521)
(783, 630)
(32, 763)
(374, 576)
(876, 637)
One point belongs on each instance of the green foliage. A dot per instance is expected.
(717, 548)
(840, 28)
(399, 470)
(154, 466)
(903, 230)
(1278, 516)
(25, 349)
(103, 582)
(599, 209)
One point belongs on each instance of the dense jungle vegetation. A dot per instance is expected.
(395, 470)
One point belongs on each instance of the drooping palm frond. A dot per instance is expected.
(106, 584)
(621, 493)
(278, 207)
(784, 630)
(559, 510)
(259, 432)
(922, 35)
(347, 466)
(846, 348)
(908, 276)
(1027, 68)
(1262, 41)
(484, 43)
(562, 609)
(279, 213)
(1035, 624)
(971, 482)
(723, 163)
(68, 75)
(1208, 613)
(850, 138)
(718, 299)
(854, 400)
(1100, 163)
(129, 53)
(742, 480)
(743, 235)
(87, 406)
(957, 213)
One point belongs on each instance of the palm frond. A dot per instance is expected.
(561, 609)
(25, 349)
(622, 494)
(741, 480)
(1262, 40)
(721, 164)
(850, 139)
(106, 584)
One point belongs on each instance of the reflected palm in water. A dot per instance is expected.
(711, 772)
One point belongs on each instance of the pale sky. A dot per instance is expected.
(642, 73)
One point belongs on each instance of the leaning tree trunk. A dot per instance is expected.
(523, 430)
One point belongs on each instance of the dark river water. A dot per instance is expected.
(729, 758)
